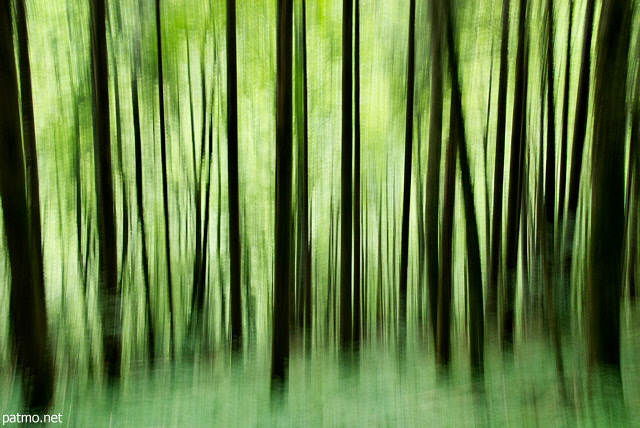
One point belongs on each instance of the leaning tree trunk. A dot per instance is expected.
(605, 261)
(109, 294)
(284, 131)
(232, 168)
(346, 327)
(21, 215)
(406, 197)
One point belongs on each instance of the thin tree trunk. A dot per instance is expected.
(232, 170)
(433, 165)
(406, 197)
(357, 286)
(21, 215)
(306, 220)
(280, 344)
(607, 201)
(562, 173)
(498, 175)
(518, 141)
(443, 342)
(163, 150)
(346, 321)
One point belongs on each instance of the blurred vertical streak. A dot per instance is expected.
(19, 191)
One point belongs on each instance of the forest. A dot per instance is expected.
(320, 212)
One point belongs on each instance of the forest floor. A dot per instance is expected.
(381, 393)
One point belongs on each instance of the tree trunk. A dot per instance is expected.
(604, 282)
(163, 150)
(433, 165)
(476, 306)
(406, 197)
(346, 326)
(357, 286)
(109, 295)
(284, 110)
(518, 141)
(21, 215)
(232, 168)
(498, 175)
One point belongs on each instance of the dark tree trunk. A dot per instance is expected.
(163, 150)
(346, 326)
(443, 341)
(21, 215)
(518, 139)
(109, 295)
(406, 197)
(284, 114)
(604, 282)
(633, 190)
(232, 167)
(476, 315)
(357, 286)
(433, 165)
(498, 175)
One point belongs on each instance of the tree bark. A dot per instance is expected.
(357, 286)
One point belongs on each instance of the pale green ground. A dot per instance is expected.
(213, 393)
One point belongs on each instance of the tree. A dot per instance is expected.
(518, 140)
(605, 256)
(232, 167)
(19, 192)
(433, 163)
(357, 225)
(346, 322)
(108, 269)
(163, 154)
(406, 197)
(284, 115)
(498, 175)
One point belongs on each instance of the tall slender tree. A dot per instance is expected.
(19, 192)
(406, 197)
(433, 163)
(165, 191)
(284, 132)
(357, 225)
(232, 168)
(346, 206)
(498, 175)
